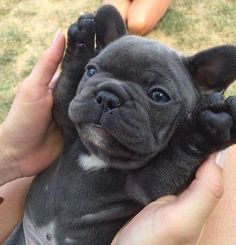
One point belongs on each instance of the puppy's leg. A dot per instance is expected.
(80, 49)
(212, 127)
(217, 121)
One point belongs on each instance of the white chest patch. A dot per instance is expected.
(91, 163)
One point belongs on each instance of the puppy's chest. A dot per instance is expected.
(109, 185)
(80, 192)
(80, 185)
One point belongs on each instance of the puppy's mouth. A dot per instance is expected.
(100, 141)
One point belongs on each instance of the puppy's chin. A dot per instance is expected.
(102, 144)
(96, 138)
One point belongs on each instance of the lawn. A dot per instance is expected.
(28, 26)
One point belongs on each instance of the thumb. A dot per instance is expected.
(36, 85)
(198, 201)
(44, 70)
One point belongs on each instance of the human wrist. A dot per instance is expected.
(8, 163)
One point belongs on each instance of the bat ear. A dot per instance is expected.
(109, 26)
(213, 69)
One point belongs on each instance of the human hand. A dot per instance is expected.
(177, 220)
(30, 140)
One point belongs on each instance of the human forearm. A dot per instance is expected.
(11, 210)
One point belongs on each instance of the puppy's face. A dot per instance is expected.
(135, 93)
(130, 99)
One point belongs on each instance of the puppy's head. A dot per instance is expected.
(135, 92)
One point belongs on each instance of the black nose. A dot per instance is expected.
(107, 100)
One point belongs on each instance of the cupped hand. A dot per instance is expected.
(30, 140)
(177, 220)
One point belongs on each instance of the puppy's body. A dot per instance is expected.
(140, 123)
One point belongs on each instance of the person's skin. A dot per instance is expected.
(220, 228)
(28, 145)
(12, 208)
(141, 16)
(29, 139)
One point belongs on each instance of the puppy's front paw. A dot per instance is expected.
(81, 33)
(218, 119)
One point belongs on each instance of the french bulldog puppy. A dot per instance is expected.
(138, 119)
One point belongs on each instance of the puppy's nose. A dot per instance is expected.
(107, 100)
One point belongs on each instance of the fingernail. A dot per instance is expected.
(56, 36)
(54, 80)
(1, 200)
(221, 158)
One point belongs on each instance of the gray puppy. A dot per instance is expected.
(138, 119)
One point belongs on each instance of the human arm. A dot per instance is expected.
(29, 139)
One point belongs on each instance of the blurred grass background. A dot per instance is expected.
(28, 26)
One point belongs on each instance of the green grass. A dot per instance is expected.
(173, 23)
(27, 28)
(223, 16)
(7, 57)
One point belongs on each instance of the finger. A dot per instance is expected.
(44, 70)
(196, 203)
(148, 224)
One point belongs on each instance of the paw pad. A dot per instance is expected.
(217, 124)
(82, 32)
(218, 118)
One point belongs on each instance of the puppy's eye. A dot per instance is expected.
(159, 96)
(91, 71)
